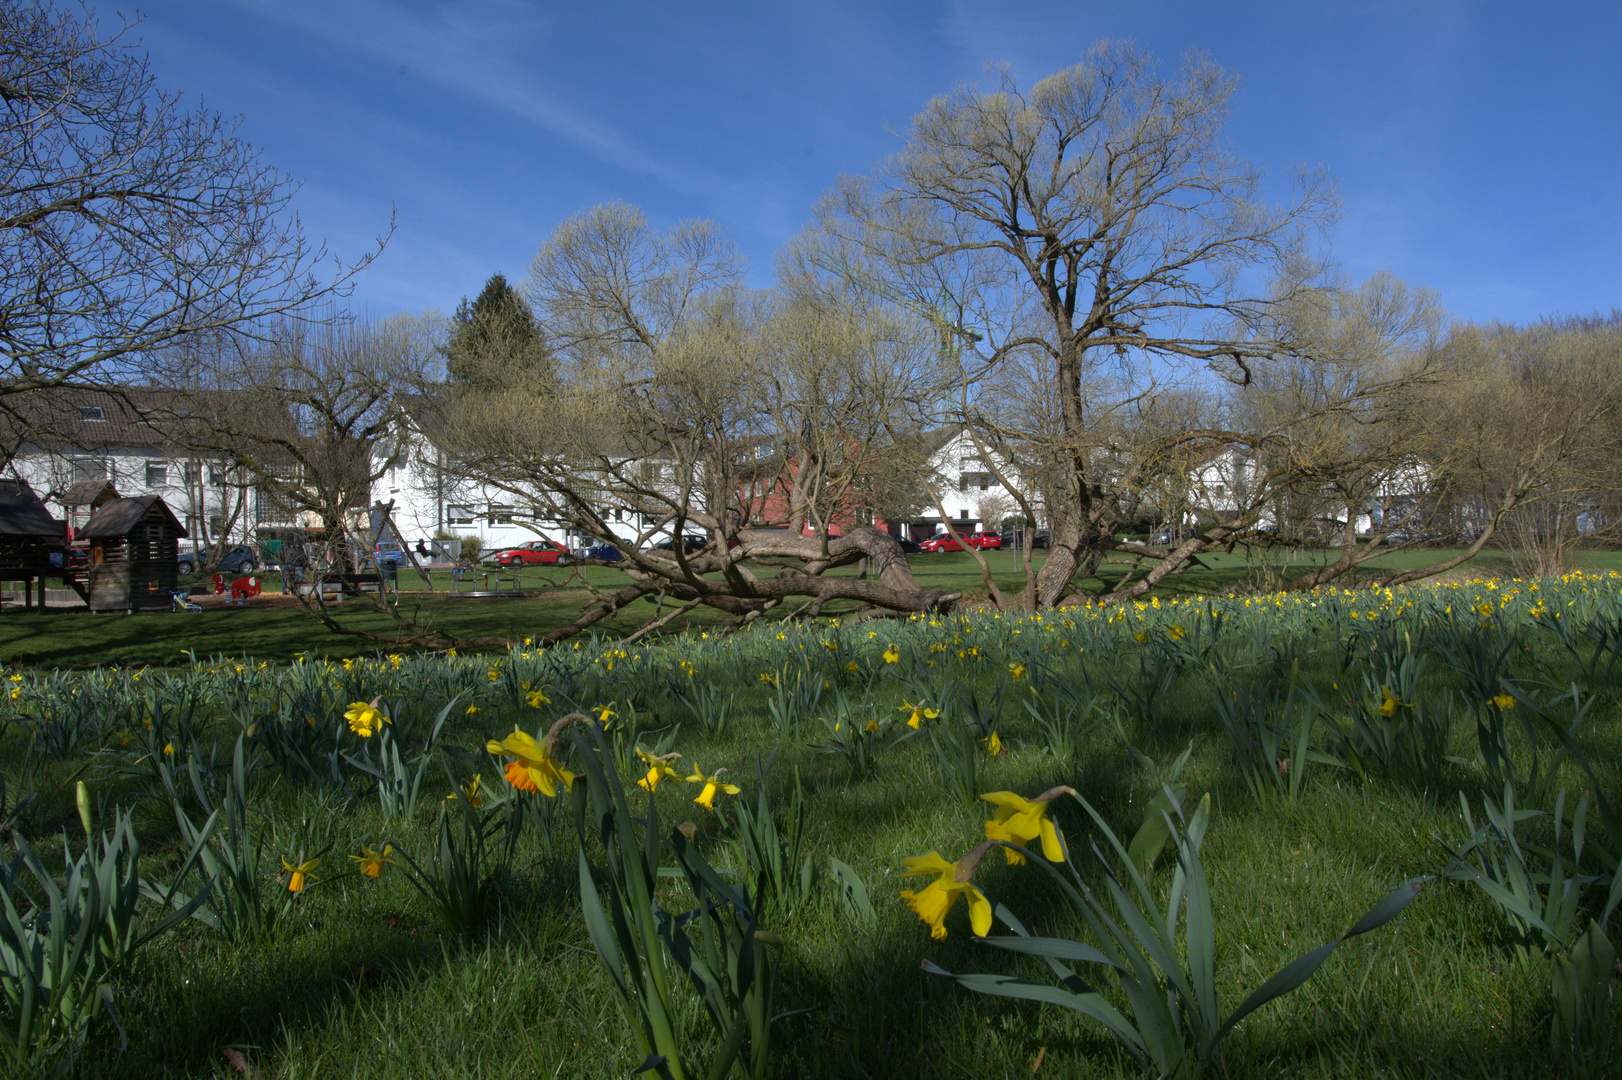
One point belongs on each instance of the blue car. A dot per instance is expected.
(604, 553)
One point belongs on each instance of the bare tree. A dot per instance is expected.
(1096, 224)
(1529, 432)
(313, 413)
(684, 403)
(127, 221)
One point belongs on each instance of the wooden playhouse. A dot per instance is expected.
(134, 552)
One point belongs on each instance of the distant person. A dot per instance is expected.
(422, 548)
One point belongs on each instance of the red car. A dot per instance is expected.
(940, 542)
(983, 540)
(533, 553)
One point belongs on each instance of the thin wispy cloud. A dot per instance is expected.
(486, 60)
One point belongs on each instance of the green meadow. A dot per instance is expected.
(1440, 762)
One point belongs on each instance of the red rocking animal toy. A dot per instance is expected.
(241, 589)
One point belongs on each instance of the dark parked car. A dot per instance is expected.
(689, 544)
(1011, 537)
(237, 560)
(909, 547)
(604, 553)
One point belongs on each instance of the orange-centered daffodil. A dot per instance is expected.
(301, 874)
(534, 769)
(373, 862)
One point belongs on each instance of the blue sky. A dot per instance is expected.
(1478, 146)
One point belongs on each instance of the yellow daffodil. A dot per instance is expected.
(919, 714)
(372, 862)
(1388, 702)
(471, 709)
(1023, 821)
(494, 673)
(850, 666)
(994, 745)
(658, 769)
(892, 655)
(1016, 670)
(713, 785)
(536, 699)
(301, 875)
(364, 718)
(471, 789)
(872, 725)
(1504, 702)
(534, 769)
(605, 714)
(935, 900)
(1176, 633)
(168, 749)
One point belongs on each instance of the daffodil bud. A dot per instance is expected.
(81, 795)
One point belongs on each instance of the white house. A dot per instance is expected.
(96, 436)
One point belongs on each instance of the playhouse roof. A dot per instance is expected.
(118, 517)
(22, 514)
(86, 492)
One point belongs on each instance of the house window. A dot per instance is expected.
(193, 472)
(92, 412)
(985, 481)
(500, 515)
(459, 515)
(216, 474)
(651, 472)
(157, 473)
(88, 469)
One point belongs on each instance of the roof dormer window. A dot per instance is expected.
(91, 412)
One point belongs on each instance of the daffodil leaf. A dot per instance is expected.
(1057, 948)
(1087, 1004)
(1152, 835)
(1299, 970)
(852, 890)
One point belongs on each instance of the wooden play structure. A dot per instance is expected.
(134, 549)
(29, 536)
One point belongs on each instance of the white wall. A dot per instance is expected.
(137, 472)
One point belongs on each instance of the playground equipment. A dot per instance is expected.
(243, 588)
(180, 600)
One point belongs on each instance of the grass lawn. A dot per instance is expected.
(363, 978)
(76, 638)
